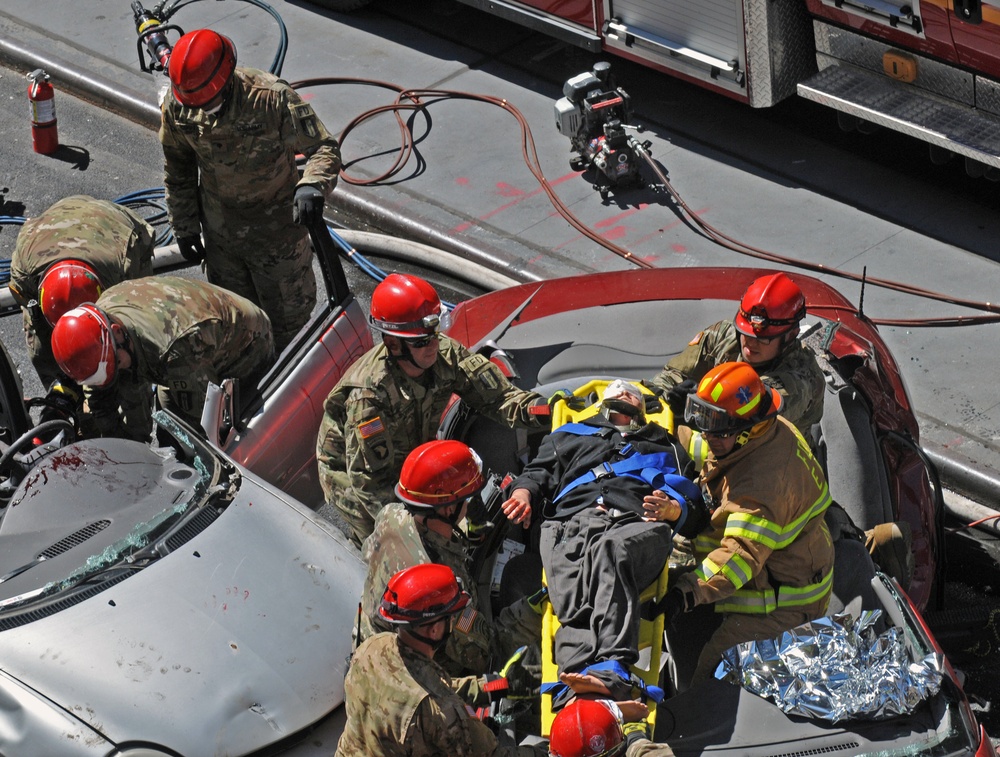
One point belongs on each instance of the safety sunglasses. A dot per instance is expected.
(422, 341)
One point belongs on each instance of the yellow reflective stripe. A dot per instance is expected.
(770, 534)
(737, 570)
(704, 544)
(754, 528)
(795, 596)
(698, 450)
(761, 601)
(749, 602)
(706, 569)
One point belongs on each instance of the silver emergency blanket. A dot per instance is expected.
(835, 668)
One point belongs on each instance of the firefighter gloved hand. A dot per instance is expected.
(677, 398)
(673, 605)
(308, 207)
(572, 401)
(191, 249)
(635, 731)
(62, 402)
(513, 681)
(537, 600)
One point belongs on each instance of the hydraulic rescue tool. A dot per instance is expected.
(594, 114)
(152, 31)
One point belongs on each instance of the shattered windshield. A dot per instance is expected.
(103, 506)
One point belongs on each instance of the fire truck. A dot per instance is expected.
(927, 68)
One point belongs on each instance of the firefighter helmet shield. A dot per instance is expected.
(84, 346)
(439, 473)
(771, 306)
(586, 728)
(422, 594)
(731, 397)
(65, 285)
(405, 306)
(200, 67)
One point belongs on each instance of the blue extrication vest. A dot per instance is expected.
(658, 469)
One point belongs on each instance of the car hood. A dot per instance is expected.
(237, 639)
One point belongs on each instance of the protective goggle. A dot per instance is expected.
(709, 418)
(760, 321)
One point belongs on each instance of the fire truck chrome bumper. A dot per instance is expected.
(950, 126)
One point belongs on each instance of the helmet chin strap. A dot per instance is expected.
(435, 644)
(405, 356)
(435, 514)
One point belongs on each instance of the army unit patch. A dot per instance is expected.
(372, 427)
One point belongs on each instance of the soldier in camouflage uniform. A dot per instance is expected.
(436, 482)
(391, 400)
(763, 334)
(177, 333)
(398, 700)
(111, 240)
(230, 136)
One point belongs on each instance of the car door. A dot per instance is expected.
(275, 435)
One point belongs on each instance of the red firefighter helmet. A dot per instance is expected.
(439, 473)
(586, 728)
(201, 66)
(84, 346)
(730, 398)
(405, 306)
(64, 285)
(421, 594)
(771, 306)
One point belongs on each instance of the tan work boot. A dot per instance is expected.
(890, 545)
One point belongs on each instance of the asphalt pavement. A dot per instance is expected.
(468, 189)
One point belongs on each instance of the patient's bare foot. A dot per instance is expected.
(581, 683)
(633, 710)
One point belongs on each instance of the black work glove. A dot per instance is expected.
(308, 207)
(572, 401)
(62, 402)
(191, 249)
(513, 681)
(677, 398)
(673, 605)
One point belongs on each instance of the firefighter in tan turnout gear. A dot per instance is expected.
(65, 257)
(391, 400)
(766, 561)
(763, 334)
(230, 138)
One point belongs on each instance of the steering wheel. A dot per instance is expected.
(10, 460)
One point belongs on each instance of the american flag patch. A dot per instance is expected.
(372, 427)
(466, 619)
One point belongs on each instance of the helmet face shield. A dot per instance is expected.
(709, 418)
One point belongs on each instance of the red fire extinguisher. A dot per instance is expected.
(44, 134)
